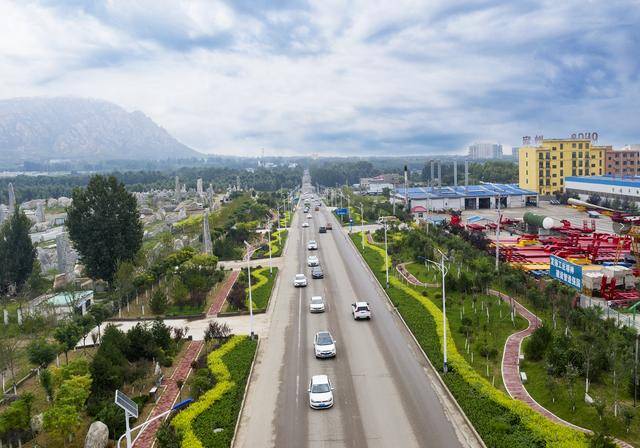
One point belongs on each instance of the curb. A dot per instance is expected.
(437, 374)
(176, 317)
(244, 396)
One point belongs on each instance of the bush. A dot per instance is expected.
(158, 302)
(41, 353)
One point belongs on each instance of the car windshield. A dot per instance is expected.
(299, 276)
(316, 300)
(320, 388)
(325, 340)
(362, 308)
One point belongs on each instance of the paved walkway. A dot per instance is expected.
(409, 277)
(171, 392)
(511, 366)
(222, 294)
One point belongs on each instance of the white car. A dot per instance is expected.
(312, 245)
(300, 280)
(360, 310)
(320, 392)
(316, 305)
(305, 224)
(324, 346)
(309, 216)
(312, 261)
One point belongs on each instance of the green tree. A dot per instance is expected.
(536, 346)
(104, 225)
(124, 281)
(68, 334)
(100, 313)
(17, 253)
(46, 381)
(61, 421)
(41, 353)
(74, 391)
(158, 301)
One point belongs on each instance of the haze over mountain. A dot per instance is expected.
(40, 129)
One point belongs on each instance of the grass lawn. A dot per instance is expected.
(424, 273)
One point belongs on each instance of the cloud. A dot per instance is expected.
(366, 77)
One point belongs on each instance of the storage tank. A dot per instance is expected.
(545, 222)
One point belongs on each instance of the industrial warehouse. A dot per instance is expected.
(473, 197)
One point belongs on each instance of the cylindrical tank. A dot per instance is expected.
(545, 222)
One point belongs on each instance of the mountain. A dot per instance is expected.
(41, 129)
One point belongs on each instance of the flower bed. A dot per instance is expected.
(218, 407)
(500, 420)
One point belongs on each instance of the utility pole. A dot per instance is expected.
(443, 270)
(498, 235)
(250, 295)
(269, 233)
(635, 375)
(362, 223)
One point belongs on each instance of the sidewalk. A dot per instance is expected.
(222, 294)
(168, 398)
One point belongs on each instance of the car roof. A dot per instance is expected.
(323, 333)
(299, 275)
(362, 304)
(316, 268)
(319, 379)
(316, 297)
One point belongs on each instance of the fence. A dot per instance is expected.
(621, 319)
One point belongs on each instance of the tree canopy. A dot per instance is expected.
(17, 253)
(104, 225)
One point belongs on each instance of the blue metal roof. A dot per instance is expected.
(631, 181)
(472, 191)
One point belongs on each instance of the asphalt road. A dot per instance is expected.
(386, 395)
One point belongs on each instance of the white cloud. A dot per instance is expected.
(367, 77)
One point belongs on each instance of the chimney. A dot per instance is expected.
(455, 173)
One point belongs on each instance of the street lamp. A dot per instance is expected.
(498, 235)
(362, 223)
(443, 270)
(269, 233)
(250, 296)
(386, 253)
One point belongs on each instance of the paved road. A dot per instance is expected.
(386, 395)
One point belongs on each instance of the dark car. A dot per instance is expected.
(322, 229)
(316, 272)
(329, 226)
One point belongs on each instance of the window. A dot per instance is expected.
(561, 173)
(579, 172)
(561, 145)
(586, 145)
(561, 164)
(553, 148)
(555, 184)
(573, 154)
(554, 175)
(561, 181)
(579, 145)
(540, 155)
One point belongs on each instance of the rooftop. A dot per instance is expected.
(483, 190)
(627, 181)
(66, 298)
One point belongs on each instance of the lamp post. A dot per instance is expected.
(269, 233)
(386, 253)
(250, 296)
(443, 270)
(498, 235)
(362, 223)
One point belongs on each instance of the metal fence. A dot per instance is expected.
(608, 312)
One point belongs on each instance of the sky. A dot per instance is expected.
(364, 77)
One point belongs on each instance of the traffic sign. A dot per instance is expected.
(342, 212)
(126, 403)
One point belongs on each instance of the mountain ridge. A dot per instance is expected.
(54, 128)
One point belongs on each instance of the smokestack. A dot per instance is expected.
(431, 178)
(439, 174)
(466, 174)
(455, 173)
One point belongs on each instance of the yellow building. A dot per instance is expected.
(543, 168)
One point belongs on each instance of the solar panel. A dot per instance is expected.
(127, 404)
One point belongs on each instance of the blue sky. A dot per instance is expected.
(329, 77)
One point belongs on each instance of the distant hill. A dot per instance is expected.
(41, 129)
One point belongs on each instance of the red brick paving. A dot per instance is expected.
(222, 294)
(168, 398)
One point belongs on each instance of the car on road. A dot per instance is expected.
(320, 392)
(316, 272)
(360, 310)
(317, 208)
(312, 245)
(312, 261)
(305, 224)
(322, 229)
(309, 216)
(300, 280)
(329, 226)
(316, 304)
(324, 346)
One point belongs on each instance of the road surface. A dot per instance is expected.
(386, 395)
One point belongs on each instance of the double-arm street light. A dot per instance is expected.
(443, 270)
(386, 252)
(248, 256)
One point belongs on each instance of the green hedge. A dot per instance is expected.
(230, 365)
(261, 290)
(278, 239)
(500, 420)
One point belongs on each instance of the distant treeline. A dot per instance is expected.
(262, 179)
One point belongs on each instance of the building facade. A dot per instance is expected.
(624, 162)
(485, 151)
(607, 187)
(544, 168)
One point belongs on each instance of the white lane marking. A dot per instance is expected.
(299, 318)
(297, 389)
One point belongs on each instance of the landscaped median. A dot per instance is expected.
(278, 238)
(500, 420)
(261, 289)
(218, 408)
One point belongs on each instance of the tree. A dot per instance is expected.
(158, 302)
(17, 253)
(100, 314)
(217, 330)
(536, 346)
(74, 391)
(41, 353)
(104, 225)
(124, 281)
(179, 292)
(68, 334)
(46, 381)
(61, 421)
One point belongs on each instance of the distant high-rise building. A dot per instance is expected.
(514, 152)
(485, 151)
